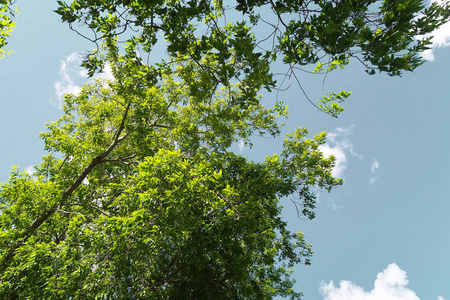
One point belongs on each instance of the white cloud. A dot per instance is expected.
(241, 145)
(30, 170)
(70, 68)
(389, 285)
(441, 37)
(107, 73)
(339, 145)
(375, 165)
(440, 298)
(339, 154)
(373, 168)
(72, 76)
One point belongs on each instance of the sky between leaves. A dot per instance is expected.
(390, 217)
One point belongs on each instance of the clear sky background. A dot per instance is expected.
(383, 235)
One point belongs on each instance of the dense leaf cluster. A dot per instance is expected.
(381, 34)
(146, 201)
(387, 36)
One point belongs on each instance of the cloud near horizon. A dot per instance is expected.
(389, 285)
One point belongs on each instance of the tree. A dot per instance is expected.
(141, 195)
(145, 201)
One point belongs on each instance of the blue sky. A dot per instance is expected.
(383, 235)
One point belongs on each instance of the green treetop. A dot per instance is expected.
(140, 198)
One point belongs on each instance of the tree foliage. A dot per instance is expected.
(139, 198)
(141, 195)
(6, 23)
(381, 35)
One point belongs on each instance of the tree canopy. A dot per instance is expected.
(141, 195)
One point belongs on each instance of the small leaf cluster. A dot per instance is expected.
(6, 23)
(330, 104)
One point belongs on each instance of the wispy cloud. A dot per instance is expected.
(72, 76)
(389, 285)
(30, 170)
(375, 165)
(241, 145)
(332, 204)
(339, 145)
(373, 168)
(441, 37)
(441, 298)
(70, 68)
